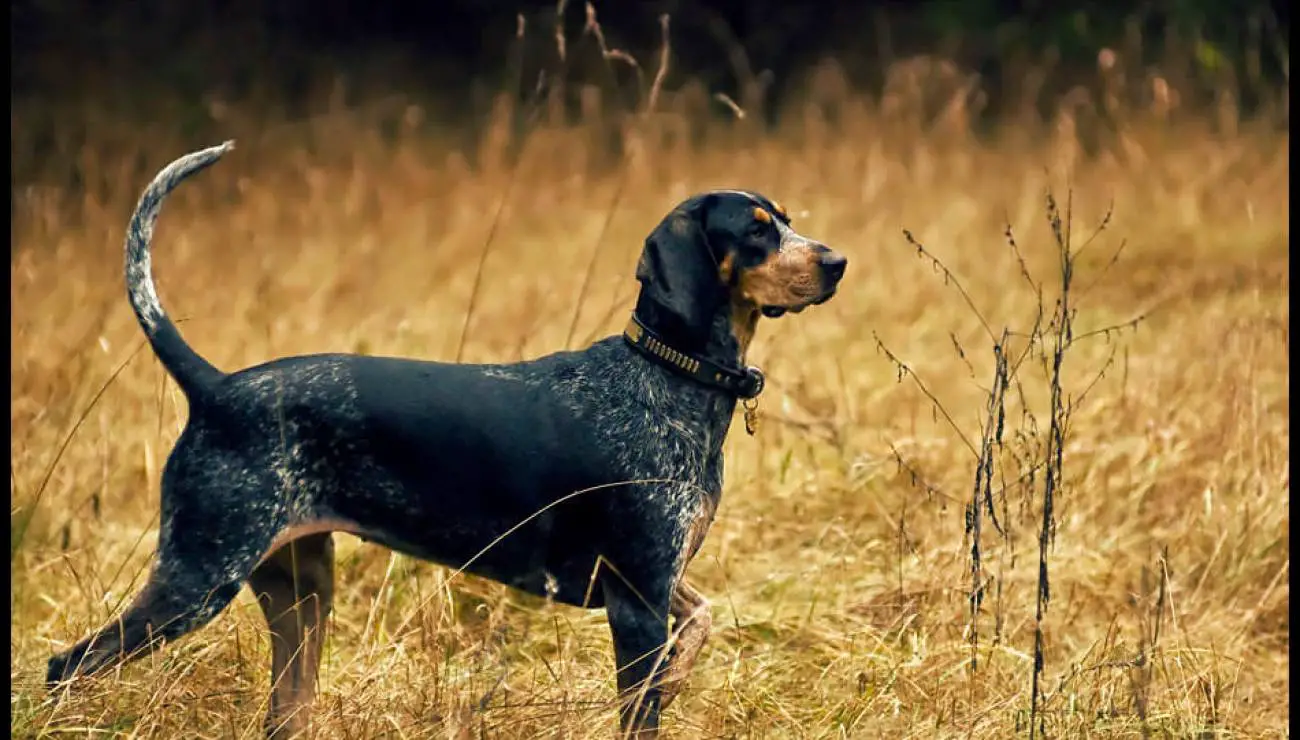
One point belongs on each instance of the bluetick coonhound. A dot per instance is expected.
(441, 460)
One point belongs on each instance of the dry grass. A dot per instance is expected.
(840, 586)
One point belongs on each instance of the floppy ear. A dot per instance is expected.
(679, 274)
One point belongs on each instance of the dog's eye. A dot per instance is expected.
(758, 229)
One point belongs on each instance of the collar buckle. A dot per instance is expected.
(752, 383)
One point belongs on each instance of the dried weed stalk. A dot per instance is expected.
(1026, 456)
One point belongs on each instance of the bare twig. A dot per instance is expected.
(595, 256)
(1035, 454)
(664, 51)
(905, 370)
(496, 218)
(917, 480)
(560, 46)
(949, 277)
(732, 106)
(594, 27)
(1062, 334)
(608, 54)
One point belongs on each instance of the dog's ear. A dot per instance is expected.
(678, 272)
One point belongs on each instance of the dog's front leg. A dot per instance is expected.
(638, 623)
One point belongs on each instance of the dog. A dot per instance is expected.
(590, 477)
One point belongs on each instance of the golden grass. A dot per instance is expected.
(839, 587)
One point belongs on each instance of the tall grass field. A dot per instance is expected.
(876, 567)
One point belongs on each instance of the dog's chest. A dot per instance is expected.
(659, 428)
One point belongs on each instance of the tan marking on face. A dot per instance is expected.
(725, 267)
(780, 209)
(762, 215)
(744, 321)
(788, 277)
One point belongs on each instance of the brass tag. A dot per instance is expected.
(751, 416)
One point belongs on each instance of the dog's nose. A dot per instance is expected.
(833, 264)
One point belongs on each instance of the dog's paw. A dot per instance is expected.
(56, 671)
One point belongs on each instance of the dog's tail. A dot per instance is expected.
(191, 372)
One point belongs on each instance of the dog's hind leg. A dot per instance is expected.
(208, 546)
(173, 603)
(294, 586)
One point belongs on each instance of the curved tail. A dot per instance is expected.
(191, 372)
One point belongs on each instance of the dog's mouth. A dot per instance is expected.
(776, 312)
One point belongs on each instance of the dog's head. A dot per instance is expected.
(733, 251)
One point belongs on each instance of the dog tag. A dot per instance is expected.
(751, 416)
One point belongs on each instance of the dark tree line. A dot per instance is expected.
(464, 41)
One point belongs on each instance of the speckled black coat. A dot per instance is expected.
(590, 477)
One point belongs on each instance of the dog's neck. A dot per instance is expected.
(710, 355)
(728, 336)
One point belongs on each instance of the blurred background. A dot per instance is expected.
(449, 49)
(473, 181)
(456, 56)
